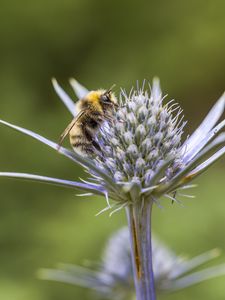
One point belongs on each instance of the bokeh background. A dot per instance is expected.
(99, 43)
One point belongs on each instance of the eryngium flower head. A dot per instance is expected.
(146, 135)
(113, 278)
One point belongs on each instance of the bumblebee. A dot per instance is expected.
(92, 111)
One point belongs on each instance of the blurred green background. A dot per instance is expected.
(99, 43)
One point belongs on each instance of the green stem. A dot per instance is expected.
(139, 220)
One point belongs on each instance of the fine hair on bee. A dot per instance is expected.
(92, 111)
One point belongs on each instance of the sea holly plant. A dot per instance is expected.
(111, 278)
(145, 158)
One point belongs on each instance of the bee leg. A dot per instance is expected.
(97, 146)
(121, 121)
(109, 118)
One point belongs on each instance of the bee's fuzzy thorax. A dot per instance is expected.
(93, 100)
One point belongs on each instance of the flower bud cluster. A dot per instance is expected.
(145, 134)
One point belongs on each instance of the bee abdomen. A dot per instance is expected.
(79, 141)
(81, 145)
(74, 137)
(83, 148)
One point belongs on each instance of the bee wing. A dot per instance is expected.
(69, 127)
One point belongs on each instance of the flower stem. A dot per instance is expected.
(139, 220)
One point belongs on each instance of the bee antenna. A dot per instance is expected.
(110, 89)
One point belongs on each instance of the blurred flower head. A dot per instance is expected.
(112, 278)
(145, 156)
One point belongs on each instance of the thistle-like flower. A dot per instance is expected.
(113, 277)
(144, 159)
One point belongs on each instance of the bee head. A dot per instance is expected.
(100, 100)
(108, 98)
